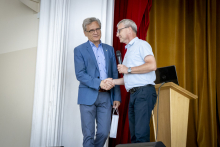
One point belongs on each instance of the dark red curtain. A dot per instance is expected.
(138, 11)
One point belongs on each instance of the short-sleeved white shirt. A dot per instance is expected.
(137, 50)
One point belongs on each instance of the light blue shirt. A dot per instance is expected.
(137, 50)
(100, 58)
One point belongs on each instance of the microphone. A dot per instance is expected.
(118, 54)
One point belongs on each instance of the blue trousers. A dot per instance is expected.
(101, 112)
(140, 107)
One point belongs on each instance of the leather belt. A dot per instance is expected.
(103, 90)
(134, 89)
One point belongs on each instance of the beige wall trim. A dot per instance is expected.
(38, 1)
(33, 4)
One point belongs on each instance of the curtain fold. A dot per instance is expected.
(218, 69)
(48, 107)
(138, 11)
(186, 34)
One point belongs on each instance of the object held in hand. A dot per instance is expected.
(114, 124)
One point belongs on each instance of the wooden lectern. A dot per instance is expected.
(173, 114)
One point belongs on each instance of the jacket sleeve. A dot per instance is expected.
(81, 73)
(117, 92)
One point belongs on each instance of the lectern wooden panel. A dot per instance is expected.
(172, 114)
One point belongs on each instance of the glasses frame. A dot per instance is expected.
(93, 30)
(118, 31)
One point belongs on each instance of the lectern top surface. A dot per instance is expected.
(171, 85)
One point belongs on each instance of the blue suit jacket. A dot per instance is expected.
(87, 73)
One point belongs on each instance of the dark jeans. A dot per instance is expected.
(140, 107)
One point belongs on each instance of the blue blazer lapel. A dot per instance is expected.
(91, 53)
(105, 50)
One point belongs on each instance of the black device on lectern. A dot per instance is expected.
(166, 74)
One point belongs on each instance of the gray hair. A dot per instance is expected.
(89, 20)
(129, 23)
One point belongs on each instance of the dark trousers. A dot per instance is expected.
(140, 107)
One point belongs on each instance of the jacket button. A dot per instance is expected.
(98, 77)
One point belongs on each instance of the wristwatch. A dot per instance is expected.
(129, 70)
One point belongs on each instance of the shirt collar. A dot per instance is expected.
(93, 45)
(131, 43)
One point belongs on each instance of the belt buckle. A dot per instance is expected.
(132, 90)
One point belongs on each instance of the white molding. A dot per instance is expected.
(107, 19)
(110, 21)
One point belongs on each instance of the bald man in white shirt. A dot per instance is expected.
(138, 67)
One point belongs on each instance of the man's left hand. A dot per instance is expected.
(122, 69)
(116, 104)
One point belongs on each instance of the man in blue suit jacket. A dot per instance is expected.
(94, 63)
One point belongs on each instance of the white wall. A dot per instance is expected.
(102, 9)
(18, 47)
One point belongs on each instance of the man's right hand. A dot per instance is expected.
(107, 84)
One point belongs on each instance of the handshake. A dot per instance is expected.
(107, 84)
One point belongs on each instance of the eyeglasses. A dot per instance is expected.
(118, 31)
(93, 30)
